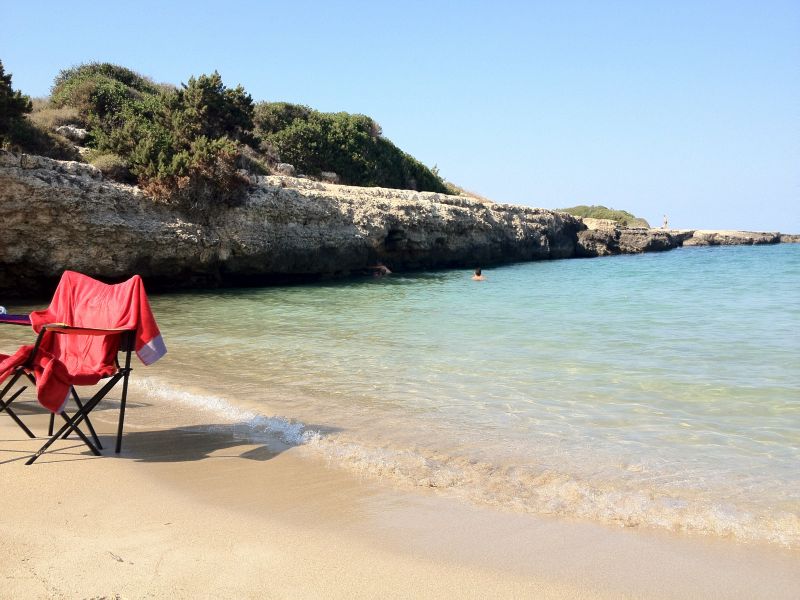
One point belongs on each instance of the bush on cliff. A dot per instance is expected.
(185, 145)
(181, 144)
(112, 166)
(98, 90)
(622, 217)
(350, 145)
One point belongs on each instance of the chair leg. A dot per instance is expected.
(70, 425)
(6, 406)
(85, 418)
(122, 412)
(52, 424)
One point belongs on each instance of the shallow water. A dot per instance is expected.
(659, 390)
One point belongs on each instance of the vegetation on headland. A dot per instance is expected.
(190, 144)
(622, 217)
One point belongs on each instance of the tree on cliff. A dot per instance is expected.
(187, 146)
(182, 145)
(13, 108)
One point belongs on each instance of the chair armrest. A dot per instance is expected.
(70, 330)
(15, 320)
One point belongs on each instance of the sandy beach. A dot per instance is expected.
(191, 511)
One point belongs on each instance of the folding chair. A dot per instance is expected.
(104, 320)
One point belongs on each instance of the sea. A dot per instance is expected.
(658, 390)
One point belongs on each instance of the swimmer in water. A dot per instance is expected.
(478, 276)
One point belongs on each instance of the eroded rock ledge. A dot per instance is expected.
(64, 215)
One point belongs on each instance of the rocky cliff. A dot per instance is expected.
(64, 215)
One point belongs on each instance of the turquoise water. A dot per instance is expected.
(658, 390)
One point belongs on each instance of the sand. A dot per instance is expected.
(185, 512)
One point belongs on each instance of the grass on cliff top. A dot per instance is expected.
(622, 217)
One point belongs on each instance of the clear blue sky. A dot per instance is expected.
(686, 108)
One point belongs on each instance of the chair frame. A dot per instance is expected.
(127, 342)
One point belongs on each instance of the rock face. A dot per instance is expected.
(73, 132)
(285, 169)
(603, 237)
(64, 215)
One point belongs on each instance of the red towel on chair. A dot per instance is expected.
(66, 360)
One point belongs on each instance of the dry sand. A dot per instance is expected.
(185, 512)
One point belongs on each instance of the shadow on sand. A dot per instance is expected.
(198, 442)
(174, 444)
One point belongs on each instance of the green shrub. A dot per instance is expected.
(96, 70)
(13, 107)
(271, 117)
(350, 145)
(622, 217)
(196, 177)
(210, 109)
(184, 144)
(113, 166)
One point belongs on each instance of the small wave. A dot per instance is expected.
(522, 488)
(290, 432)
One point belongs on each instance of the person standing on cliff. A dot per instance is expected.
(666, 223)
(478, 276)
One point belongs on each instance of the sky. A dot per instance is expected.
(688, 109)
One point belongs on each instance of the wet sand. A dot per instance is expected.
(189, 512)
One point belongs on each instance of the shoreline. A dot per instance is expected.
(188, 512)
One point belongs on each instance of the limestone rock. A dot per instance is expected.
(329, 177)
(73, 133)
(64, 215)
(604, 236)
(285, 169)
(707, 237)
(60, 216)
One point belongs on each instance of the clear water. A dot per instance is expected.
(658, 390)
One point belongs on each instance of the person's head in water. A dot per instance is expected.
(478, 272)
(478, 275)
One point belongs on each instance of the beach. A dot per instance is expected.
(474, 448)
(188, 512)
